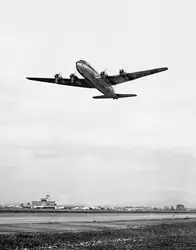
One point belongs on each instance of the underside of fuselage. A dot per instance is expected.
(95, 79)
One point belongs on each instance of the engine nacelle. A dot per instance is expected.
(73, 78)
(122, 73)
(58, 78)
(104, 75)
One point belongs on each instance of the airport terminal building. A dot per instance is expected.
(44, 203)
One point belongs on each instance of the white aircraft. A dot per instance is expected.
(103, 82)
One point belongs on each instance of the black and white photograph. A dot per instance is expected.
(97, 124)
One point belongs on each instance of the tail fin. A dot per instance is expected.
(117, 96)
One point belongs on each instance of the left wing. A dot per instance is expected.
(125, 77)
(76, 82)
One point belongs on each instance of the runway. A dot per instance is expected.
(48, 222)
(12, 218)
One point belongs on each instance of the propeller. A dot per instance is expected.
(123, 73)
(122, 66)
(58, 77)
(73, 77)
(104, 73)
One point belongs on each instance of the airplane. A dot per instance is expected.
(102, 82)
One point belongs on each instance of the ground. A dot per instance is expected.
(142, 234)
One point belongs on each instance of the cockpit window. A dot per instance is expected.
(85, 62)
(82, 61)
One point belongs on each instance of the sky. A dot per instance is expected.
(57, 140)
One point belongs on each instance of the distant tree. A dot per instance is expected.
(180, 207)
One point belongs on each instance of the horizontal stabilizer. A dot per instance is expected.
(101, 97)
(125, 95)
(117, 96)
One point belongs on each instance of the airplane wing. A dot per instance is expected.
(77, 82)
(125, 77)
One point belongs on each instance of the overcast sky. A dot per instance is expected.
(57, 140)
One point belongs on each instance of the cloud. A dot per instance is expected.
(92, 173)
(166, 157)
(114, 174)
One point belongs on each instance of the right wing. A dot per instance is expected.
(125, 77)
(79, 82)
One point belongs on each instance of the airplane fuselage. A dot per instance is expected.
(92, 76)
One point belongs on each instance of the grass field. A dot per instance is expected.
(159, 234)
